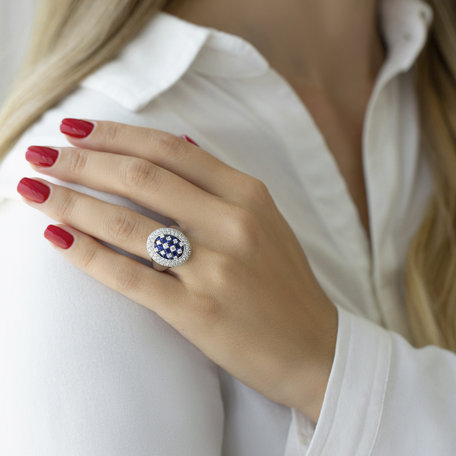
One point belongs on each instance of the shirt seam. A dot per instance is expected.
(343, 376)
(380, 355)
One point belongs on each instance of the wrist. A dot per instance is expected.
(311, 383)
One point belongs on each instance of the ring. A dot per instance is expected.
(168, 247)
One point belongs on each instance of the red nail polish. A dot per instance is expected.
(58, 236)
(33, 190)
(190, 140)
(76, 128)
(41, 156)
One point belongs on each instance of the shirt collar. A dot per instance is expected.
(405, 25)
(168, 47)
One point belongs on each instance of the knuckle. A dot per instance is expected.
(179, 151)
(166, 142)
(139, 173)
(122, 226)
(88, 256)
(243, 227)
(65, 205)
(112, 132)
(77, 161)
(223, 268)
(169, 146)
(165, 146)
(256, 191)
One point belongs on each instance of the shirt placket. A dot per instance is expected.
(382, 147)
(320, 179)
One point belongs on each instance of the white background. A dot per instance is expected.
(15, 23)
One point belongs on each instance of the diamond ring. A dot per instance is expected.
(168, 247)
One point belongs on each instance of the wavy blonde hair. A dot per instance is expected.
(431, 263)
(84, 34)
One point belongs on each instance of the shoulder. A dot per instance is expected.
(118, 91)
(150, 83)
(83, 103)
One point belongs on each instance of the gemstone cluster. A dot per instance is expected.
(168, 247)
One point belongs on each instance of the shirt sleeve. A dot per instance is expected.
(384, 397)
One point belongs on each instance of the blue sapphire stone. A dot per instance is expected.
(169, 247)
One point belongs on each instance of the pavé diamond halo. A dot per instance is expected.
(168, 247)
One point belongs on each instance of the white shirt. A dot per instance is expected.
(88, 371)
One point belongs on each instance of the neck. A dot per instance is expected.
(330, 45)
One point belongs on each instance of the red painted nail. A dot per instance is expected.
(76, 127)
(41, 156)
(190, 140)
(33, 190)
(58, 236)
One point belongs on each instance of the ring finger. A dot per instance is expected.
(116, 225)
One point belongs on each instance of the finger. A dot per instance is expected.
(167, 151)
(117, 225)
(158, 291)
(113, 224)
(138, 180)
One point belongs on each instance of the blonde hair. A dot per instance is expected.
(84, 34)
(69, 40)
(431, 263)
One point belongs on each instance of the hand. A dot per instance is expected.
(247, 297)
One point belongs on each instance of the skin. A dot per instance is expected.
(277, 331)
(329, 51)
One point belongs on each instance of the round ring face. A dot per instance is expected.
(168, 247)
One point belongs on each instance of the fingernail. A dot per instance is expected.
(33, 190)
(76, 128)
(190, 140)
(58, 236)
(41, 156)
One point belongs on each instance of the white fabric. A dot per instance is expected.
(87, 371)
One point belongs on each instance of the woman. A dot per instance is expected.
(299, 181)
